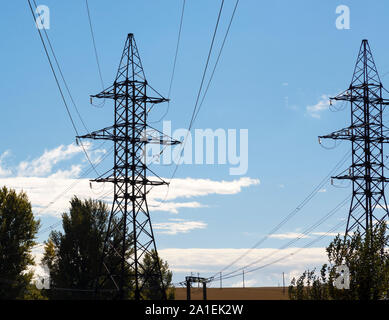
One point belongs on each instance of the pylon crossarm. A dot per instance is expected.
(343, 96)
(155, 100)
(353, 133)
(103, 134)
(131, 182)
(148, 138)
(105, 94)
(354, 177)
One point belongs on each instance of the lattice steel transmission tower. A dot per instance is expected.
(129, 222)
(367, 136)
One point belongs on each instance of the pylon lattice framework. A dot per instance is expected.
(366, 133)
(130, 134)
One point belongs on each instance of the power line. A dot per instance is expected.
(218, 58)
(63, 77)
(302, 204)
(174, 63)
(197, 99)
(202, 82)
(96, 54)
(289, 255)
(302, 235)
(85, 173)
(57, 81)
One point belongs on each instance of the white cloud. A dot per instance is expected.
(50, 191)
(190, 187)
(209, 262)
(4, 172)
(175, 226)
(172, 207)
(288, 235)
(210, 258)
(43, 165)
(74, 171)
(328, 234)
(247, 283)
(315, 110)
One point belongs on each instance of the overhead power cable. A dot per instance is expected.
(218, 59)
(58, 84)
(174, 63)
(63, 77)
(84, 174)
(96, 54)
(319, 238)
(302, 204)
(202, 81)
(198, 94)
(305, 233)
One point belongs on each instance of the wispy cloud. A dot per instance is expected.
(190, 187)
(43, 165)
(176, 226)
(328, 234)
(292, 261)
(315, 110)
(50, 188)
(288, 235)
(4, 172)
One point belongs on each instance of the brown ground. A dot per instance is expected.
(270, 293)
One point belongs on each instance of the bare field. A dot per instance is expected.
(265, 293)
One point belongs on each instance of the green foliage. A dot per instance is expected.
(74, 257)
(152, 279)
(368, 261)
(18, 229)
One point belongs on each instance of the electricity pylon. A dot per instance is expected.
(367, 136)
(129, 219)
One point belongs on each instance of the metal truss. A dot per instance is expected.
(130, 234)
(366, 133)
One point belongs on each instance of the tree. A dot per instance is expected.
(367, 259)
(151, 278)
(74, 256)
(18, 230)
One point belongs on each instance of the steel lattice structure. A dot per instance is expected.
(367, 136)
(130, 134)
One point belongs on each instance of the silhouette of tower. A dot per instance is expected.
(367, 136)
(130, 236)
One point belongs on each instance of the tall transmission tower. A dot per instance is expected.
(130, 236)
(367, 136)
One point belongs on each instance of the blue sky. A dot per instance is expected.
(276, 50)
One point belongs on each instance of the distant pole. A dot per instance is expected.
(283, 282)
(243, 278)
(187, 289)
(204, 290)
(198, 276)
(221, 281)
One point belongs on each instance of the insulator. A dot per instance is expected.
(319, 140)
(77, 142)
(330, 102)
(91, 100)
(332, 182)
(90, 185)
